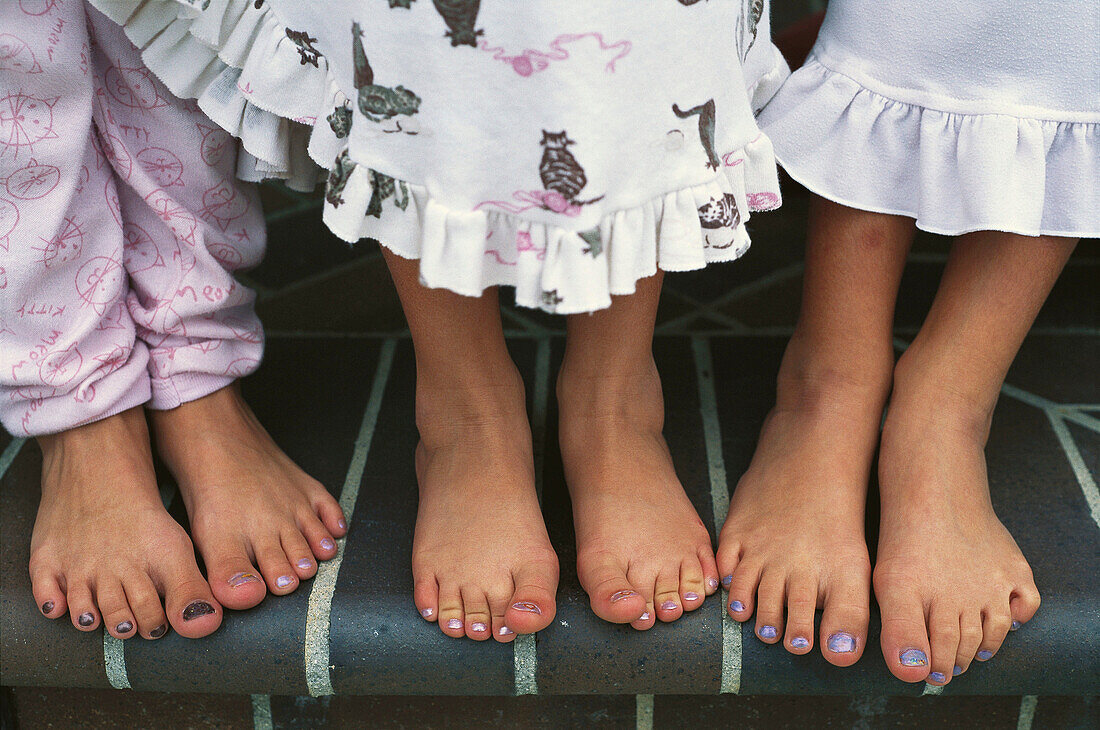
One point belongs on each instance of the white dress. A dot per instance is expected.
(977, 115)
(565, 147)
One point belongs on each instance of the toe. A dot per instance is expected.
(191, 607)
(451, 612)
(742, 591)
(145, 602)
(844, 621)
(943, 633)
(1023, 604)
(996, 622)
(904, 636)
(769, 607)
(275, 568)
(498, 607)
(610, 593)
(48, 594)
(233, 578)
(802, 593)
(319, 537)
(478, 619)
(710, 569)
(82, 608)
(426, 597)
(532, 607)
(693, 587)
(118, 619)
(666, 596)
(647, 620)
(970, 638)
(301, 557)
(728, 559)
(329, 512)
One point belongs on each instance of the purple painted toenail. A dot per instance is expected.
(691, 596)
(800, 642)
(767, 632)
(737, 606)
(196, 609)
(726, 581)
(913, 658)
(985, 655)
(527, 606)
(86, 619)
(158, 632)
(937, 677)
(957, 670)
(478, 626)
(712, 583)
(669, 606)
(124, 627)
(620, 595)
(47, 606)
(305, 564)
(841, 643)
(1015, 626)
(505, 631)
(342, 524)
(644, 616)
(454, 623)
(241, 578)
(426, 612)
(327, 544)
(283, 581)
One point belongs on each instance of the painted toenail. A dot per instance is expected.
(196, 609)
(737, 606)
(937, 677)
(327, 544)
(505, 631)
(478, 626)
(956, 671)
(726, 581)
(426, 612)
(527, 606)
(800, 642)
(86, 619)
(767, 632)
(620, 595)
(342, 524)
(841, 643)
(304, 564)
(455, 623)
(712, 583)
(644, 616)
(283, 581)
(158, 632)
(124, 627)
(913, 658)
(691, 596)
(1015, 626)
(669, 606)
(985, 655)
(47, 606)
(241, 578)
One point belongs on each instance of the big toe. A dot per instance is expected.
(532, 605)
(235, 582)
(191, 607)
(611, 594)
(905, 645)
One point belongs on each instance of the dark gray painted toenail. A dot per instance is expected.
(196, 609)
(124, 627)
(158, 632)
(47, 606)
(86, 619)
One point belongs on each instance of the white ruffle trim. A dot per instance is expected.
(235, 59)
(954, 173)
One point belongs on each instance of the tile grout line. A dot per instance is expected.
(752, 287)
(114, 661)
(932, 689)
(319, 613)
(261, 713)
(1028, 705)
(720, 500)
(1080, 470)
(9, 455)
(525, 646)
(643, 712)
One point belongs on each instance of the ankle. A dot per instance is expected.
(449, 406)
(815, 379)
(626, 390)
(938, 402)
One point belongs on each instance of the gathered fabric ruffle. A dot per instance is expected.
(953, 173)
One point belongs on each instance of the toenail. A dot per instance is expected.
(505, 631)
(1015, 625)
(737, 606)
(841, 643)
(283, 581)
(327, 544)
(304, 564)
(800, 642)
(196, 609)
(158, 632)
(669, 606)
(426, 612)
(47, 606)
(241, 578)
(913, 658)
(691, 596)
(726, 581)
(342, 524)
(712, 583)
(620, 595)
(86, 619)
(985, 655)
(477, 626)
(956, 671)
(124, 627)
(644, 616)
(527, 606)
(937, 677)
(455, 623)
(767, 632)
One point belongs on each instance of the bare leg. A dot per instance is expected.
(794, 539)
(949, 578)
(482, 561)
(642, 552)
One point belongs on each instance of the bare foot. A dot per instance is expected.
(482, 561)
(104, 548)
(255, 516)
(949, 578)
(643, 553)
(794, 538)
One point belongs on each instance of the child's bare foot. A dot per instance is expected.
(794, 538)
(482, 561)
(249, 505)
(104, 548)
(949, 578)
(643, 553)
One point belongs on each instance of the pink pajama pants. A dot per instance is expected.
(121, 224)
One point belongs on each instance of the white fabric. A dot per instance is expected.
(982, 115)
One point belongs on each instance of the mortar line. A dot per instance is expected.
(114, 661)
(1028, 705)
(10, 452)
(643, 712)
(932, 689)
(319, 614)
(261, 713)
(752, 287)
(1080, 469)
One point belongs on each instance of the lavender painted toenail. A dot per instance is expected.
(737, 606)
(124, 627)
(304, 564)
(937, 677)
(342, 524)
(478, 626)
(426, 612)
(47, 606)
(158, 632)
(454, 623)
(800, 642)
(283, 581)
(644, 616)
(691, 596)
(669, 606)
(913, 658)
(527, 606)
(86, 619)
(327, 544)
(1015, 626)
(767, 632)
(956, 671)
(241, 578)
(726, 581)
(841, 643)
(196, 609)
(985, 655)
(620, 595)
(505, 631)
(712, 583)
